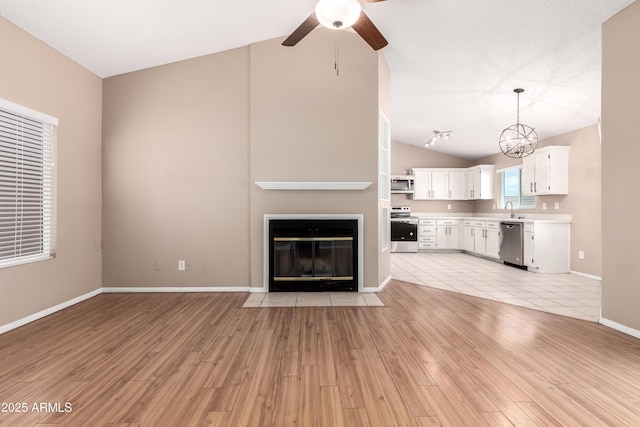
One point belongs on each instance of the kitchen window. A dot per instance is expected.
(27, 185)
(511, 189)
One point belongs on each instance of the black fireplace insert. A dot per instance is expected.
(313, 255)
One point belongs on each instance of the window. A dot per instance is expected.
(27, 185)
(511, 190)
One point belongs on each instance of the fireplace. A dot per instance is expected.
(313, 254)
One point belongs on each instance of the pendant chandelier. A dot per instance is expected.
(518, 140)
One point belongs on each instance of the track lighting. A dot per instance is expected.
(438, 135)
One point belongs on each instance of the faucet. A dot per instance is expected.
(505, 206)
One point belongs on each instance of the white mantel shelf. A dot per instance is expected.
(312, 185)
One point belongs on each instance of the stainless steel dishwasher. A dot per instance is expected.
(511, 244)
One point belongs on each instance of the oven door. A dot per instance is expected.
(404, 235)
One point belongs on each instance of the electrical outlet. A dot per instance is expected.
(556, 205)
(182, 265)
(544, 206)
(581, 254)
(97, 246)
(449, 206)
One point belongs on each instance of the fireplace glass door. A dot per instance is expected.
(313, 259)
(313, 256)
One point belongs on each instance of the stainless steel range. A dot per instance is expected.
(404, 230)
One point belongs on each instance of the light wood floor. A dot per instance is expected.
(430, 357)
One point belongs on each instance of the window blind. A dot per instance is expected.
(511, 187)
(27, 190)
(511, 180)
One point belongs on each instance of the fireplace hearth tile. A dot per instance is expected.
(280, 299)
(254, 300)
(313, 299)
(347, 299)
(373, 300)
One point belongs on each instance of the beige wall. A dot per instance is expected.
(620, 153)
(176, 174)
(309, 124)
(583, 201)
(36, 76)
(404, 157)
(185, 142)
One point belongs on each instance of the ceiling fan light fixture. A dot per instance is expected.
(337, 14)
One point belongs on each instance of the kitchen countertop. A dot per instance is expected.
(530, 219)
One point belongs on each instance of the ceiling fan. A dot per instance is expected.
(340, 14)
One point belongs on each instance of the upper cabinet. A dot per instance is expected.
(546, 171)
(439, 184)
(422, 184)
(457, 184)
(453, 184)
(480, 182)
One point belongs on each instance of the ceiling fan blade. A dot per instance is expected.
(299, 33)
(369, 32)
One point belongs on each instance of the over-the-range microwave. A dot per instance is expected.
(402, 184)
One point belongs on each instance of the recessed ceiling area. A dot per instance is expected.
(454, 63)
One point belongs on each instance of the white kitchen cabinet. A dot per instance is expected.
(546, 247)
(422, 184)
(479, 242)
(492, 239)
(426, 233)
(546, 171)
(439, 187)
(480, 181)
(468, 241)
(448, 234)
(527, 246)
(487, 238)
(439, 184)
(457, 184)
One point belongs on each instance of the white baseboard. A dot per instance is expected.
(48, 311)
(588, 276)
(618, 327)
(384, 283)
(174, 289)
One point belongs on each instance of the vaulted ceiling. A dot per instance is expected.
(454, 63)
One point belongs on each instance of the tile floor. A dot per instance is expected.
(566, 294)
(312, 299)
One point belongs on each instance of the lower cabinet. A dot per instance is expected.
(546, 247)
(448, 234)
(486, 238)
(426, 234)
(493, 239)
(479, 228)
(468, 241)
